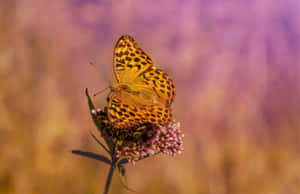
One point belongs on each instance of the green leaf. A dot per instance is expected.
(109, 142)
(99, 142)
(93, 156)
(122, 171)
(92, 107)
(122, 175)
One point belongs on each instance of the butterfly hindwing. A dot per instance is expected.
(161, 84)
(126, 113)
(121, 112)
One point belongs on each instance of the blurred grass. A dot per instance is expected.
(237, 73)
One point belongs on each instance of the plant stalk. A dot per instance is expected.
(109, 177)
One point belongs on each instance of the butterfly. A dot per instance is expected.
(143, 93)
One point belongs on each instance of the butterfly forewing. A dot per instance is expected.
(129, 60)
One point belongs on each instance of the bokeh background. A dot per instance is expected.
(236, 65)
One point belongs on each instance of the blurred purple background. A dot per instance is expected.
(236, 66)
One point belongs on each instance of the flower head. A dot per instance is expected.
(139, 142)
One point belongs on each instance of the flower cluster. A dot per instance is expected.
(137, 143)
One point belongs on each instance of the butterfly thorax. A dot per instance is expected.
(138, 95)
(123, 87)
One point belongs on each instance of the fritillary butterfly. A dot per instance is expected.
(143, 93)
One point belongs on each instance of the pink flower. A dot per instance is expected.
(135, 145)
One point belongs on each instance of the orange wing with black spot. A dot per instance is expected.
(162, 84)
(149, 91)
(130, 61)
(126, 114)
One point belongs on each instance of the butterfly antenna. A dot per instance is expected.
(93, 64)
(99, 92)
(100, 70)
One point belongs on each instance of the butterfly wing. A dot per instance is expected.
(149, 92)
(129, 60)
(160, 83)
(125, 112)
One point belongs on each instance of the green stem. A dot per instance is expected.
(109, 177)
